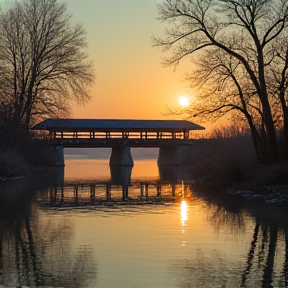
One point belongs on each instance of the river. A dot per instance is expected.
(89, 225)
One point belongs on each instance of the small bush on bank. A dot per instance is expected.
(12, 164)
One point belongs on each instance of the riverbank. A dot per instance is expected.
(263, 183)
(13, 164)
(24, 158)
(229, 165)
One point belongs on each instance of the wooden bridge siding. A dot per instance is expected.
(118, 139)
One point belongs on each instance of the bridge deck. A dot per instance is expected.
(118, 142)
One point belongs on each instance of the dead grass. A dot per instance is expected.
(231, 161)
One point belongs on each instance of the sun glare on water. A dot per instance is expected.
(183, 212)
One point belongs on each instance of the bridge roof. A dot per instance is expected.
(116, 125)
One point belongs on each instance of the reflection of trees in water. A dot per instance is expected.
(205, 270)
(213, 269)
(43, 254)
(35, 249)
(222, 218)
(267, 250)
(268, 237)
(266, 261)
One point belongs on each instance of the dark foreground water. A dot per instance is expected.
(92, 226)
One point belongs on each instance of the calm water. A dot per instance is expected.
(57, 229)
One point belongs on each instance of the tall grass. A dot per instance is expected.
(219, 162)
(228, 159)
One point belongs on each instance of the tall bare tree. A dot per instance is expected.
(43, 64)
(240, 49)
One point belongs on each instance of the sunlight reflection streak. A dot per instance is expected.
(183, 212)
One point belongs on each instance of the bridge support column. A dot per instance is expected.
(173, 155)
(121, 156)
(121, 175)
(55, 156)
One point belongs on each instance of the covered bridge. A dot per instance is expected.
(120, 135)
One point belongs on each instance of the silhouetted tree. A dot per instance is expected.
(42, 61)
(239, 49)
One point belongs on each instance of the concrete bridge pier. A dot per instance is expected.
(121, 156)
(173, 155)
(120, 174)
(54, 156)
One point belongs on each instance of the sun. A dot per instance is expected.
(183, 101)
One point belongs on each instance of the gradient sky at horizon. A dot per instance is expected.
(130, 81)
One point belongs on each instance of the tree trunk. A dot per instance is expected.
(260, 145)
(285, 136)
(285, 126)
(273, 152)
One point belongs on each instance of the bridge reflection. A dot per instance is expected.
(173, 183)
(76, 193)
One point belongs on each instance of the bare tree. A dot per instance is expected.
(228, 89)
(238, 48)
(42, 60)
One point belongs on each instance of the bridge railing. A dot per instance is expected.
(115, 135)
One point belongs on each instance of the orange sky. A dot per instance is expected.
(130, 79)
